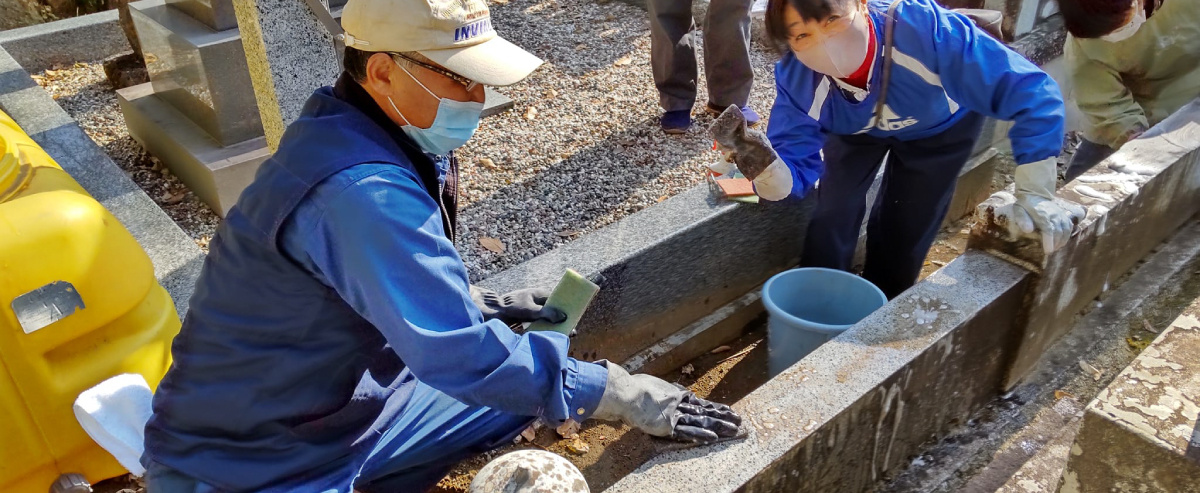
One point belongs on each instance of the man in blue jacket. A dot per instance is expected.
(946, 75)
(333, 342)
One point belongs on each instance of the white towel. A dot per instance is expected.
(114, 413)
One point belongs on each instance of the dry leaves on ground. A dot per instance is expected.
(492, 244)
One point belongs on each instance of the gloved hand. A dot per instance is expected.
(663, 409)
(525, 305)
(751, 151)
(1038, 210)
(744, 146)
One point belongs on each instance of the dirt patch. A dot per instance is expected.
(615, 451)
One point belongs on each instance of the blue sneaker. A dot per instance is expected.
(752, 118)
(676, 122)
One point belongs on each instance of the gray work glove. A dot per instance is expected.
(663, 409)
(524, 305)
(749, 149)
(1037, 208)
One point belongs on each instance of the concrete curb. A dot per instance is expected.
(1134, 200)
(667, 266)
(175, 256)
(78, 39)
(853, 411)
(857, 407)
(1043, 424)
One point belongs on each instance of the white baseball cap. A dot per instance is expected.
(456, 34)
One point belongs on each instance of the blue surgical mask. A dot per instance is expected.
(453, 125)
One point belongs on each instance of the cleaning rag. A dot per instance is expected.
(114, 413)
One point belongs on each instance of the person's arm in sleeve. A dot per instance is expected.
(379, 243)
(1112, 113)
(797, 139)
(984, 76)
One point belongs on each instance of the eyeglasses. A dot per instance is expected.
(467, 83)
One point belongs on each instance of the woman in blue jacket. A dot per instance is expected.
(946, 75)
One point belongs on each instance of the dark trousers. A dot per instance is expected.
(726, 53)
(1087, 156)
(918, 184)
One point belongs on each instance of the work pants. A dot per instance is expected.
(918, 184)
(433, 434)
(726, 53)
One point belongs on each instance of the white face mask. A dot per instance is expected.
(841, 54)
(1128, 30)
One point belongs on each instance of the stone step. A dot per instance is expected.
(216, 174)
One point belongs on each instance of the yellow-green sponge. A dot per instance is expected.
(572, 295)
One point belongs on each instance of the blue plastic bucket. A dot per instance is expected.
(811, 305)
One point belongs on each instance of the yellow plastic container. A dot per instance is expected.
(79, 303)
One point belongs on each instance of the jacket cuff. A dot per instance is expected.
(585, 382)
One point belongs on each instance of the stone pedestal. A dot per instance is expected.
(198, 113)
(215, 173)
(198, 70)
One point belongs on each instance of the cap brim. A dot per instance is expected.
(495, 62)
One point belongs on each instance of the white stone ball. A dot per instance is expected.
(529, 471)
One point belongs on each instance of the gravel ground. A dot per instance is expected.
(84, 92)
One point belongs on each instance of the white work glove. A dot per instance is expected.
(1037, 209)
(663, 409)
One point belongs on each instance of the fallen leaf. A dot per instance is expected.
(578, 446)
(552, 93)
(567, 234)
(1136, 343)
(939, 263)
(1149, 328)
(664, 197)
(569, 429)
(687, 370)
(623, 61)
(1059, 394)
(721, 349)
(1096, 372)
(531, 113)
(487, 163)
(176, 198)
(492, 244)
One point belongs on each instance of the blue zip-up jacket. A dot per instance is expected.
(330, 288)
(942, 67)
